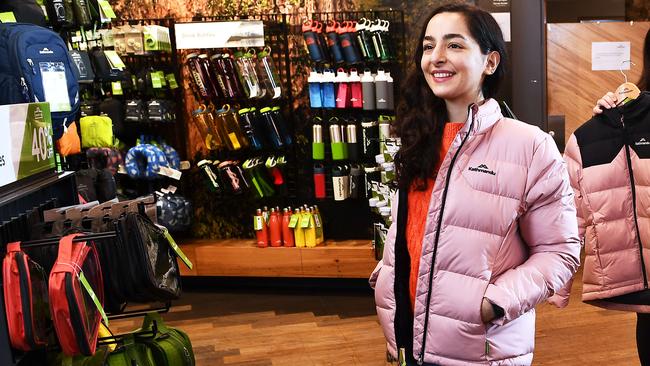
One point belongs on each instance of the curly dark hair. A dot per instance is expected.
(421, 115)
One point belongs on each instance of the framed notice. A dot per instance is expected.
(610, 56)
(239, 33)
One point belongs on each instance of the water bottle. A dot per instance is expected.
(342, 89)
(356, 90)
(328, 93)
(315, 89)
(333, 41)
(381, 90)
(311, 40)
(368, 90)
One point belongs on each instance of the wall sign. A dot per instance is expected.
(26, 146)
(610, 56)
(240, 33)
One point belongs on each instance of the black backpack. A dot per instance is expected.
(115, 110)
(25, 11)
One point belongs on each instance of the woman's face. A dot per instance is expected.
(452, 61)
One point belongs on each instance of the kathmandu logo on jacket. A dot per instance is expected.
(482, 169)
(643, 141)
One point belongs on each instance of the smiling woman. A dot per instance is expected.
(484, 225)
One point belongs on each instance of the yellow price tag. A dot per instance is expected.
(7, 17)
(116, 87)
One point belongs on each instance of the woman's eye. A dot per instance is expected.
(455, 46)
(427, 47)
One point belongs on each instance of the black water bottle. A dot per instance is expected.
(272, 129)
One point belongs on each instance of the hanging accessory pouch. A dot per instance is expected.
(170, 346)
(96, 131)
(35, 67)
(76, 296)
(25, 294)
(83, 66)
(69, 143)
(144, 161)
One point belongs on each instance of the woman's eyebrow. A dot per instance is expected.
(446, 37)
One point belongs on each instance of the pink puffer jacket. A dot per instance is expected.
(608, 159)
(508, 233)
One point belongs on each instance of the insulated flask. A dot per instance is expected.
(319, 181)
(198, 80)
(333, 41)
(356, 90)
(390, 95)
(364, 39)
(357, 182)
(283, 128)
(351, 138)
(340, 183)
(337, 141)
(342, 89)
(345, 32)
(315, 92)
(311, 40)
(271, 126)
(328, 91)
(370, 139)
(368, 90)
(317, 145)
(381, 90)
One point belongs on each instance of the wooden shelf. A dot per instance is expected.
(242, 258)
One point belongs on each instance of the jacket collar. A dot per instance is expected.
(481, 118)
(634, 111)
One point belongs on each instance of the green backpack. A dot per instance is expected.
(170, 346)
(96, 131)
(131, 353)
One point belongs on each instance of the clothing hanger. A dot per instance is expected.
(627, 91)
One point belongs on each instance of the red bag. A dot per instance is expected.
(76, 318)
(25, 291)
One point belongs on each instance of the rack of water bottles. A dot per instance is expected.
(301, 228)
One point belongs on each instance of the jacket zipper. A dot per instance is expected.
(438, 227)
(633, 187)
(25, 299)
(75, 317)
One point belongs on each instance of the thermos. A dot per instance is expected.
(315, 89)
(340, 183)
(351, 139)
(368, 90)
(337, 141)
(357, 182)
(311, 40)
(381, 90)
(328, 92)
(333, 41)
(317, 144)
(370, 139)
(317, 28)
(261, 230)
(275, 228)
(287, 233)
(319, 181)
(342, 89)
(356, 92)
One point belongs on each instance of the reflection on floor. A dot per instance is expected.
(231, 322)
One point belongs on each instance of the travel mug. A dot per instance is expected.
(319, 181)
(351, 139)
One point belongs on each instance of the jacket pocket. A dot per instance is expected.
(495, 177)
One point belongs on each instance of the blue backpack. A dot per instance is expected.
(27, 52)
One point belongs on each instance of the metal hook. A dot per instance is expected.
(621, 68)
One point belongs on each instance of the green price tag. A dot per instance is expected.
(316, 221)
(107, 9)
(171, 79)
(304, 221)
(257, 223)
(177, 249)
(155, 80)
(161, 76)
(7, 17)
(114, 59)
(91, 293)
(294, 221)
(116, 86)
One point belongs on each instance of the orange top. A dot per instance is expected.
(418, 205)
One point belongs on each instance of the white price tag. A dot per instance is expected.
(55, 86)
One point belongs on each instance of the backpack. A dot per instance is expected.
(29, 52)
(25, 11)
(96, 131)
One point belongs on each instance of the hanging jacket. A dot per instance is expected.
(608, 159)
(501, 225)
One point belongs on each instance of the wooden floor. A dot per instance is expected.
(315, 326)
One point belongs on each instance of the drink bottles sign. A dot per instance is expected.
(26, 146)
(240, 33)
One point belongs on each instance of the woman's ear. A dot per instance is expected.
(492, 62)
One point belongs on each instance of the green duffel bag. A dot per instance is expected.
(131, 353)
(170, 346)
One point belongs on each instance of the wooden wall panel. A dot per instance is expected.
(573, 88)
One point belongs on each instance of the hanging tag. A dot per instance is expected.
(169, 172)
(114, 59)
(117, 88)
(164, 191)
(7, 17)
(161, 76)
(155, 80)
(171, 79)
(304, 221)
(293, 222)
(176, 248)
(106, 9)
(316, 221)
(55, 85)
(185, 165)
(91, 293)
(257, 223)
(172, 189)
